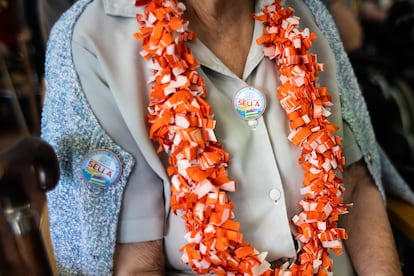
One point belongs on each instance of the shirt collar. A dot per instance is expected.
(123, 8)
(127, 8)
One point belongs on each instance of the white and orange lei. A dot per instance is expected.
(181, 121)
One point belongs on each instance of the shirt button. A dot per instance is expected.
(275, 195)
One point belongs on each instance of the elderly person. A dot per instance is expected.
(154, 184)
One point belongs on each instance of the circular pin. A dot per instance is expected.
(101, 168)
(249, 103)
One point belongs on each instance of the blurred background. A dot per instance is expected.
(379, 40)
(21, 69)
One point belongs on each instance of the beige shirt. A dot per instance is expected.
(263, 161)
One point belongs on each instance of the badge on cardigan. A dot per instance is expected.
(249, 104)
(101, 168)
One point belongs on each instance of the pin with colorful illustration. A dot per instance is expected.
(249, 104)
(101, 168)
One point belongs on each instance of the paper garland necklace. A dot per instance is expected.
(182, 123)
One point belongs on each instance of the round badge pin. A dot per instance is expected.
(101, 168)
(249, 103)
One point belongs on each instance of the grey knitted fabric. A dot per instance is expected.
(83, 218)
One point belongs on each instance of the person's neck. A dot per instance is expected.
(225, 27)
(211, 13)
